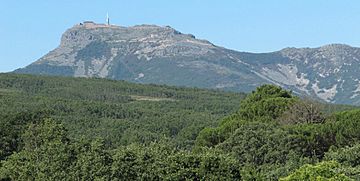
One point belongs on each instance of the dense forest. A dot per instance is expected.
(55, 128)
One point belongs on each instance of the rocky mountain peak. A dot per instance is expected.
(336, 50)
(163, 55)
(335, 54)
(335, 46)
(150, 40)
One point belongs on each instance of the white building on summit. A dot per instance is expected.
(92, 24)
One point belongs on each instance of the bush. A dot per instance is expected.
(321, 171)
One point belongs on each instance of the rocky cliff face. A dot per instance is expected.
(162, 55)
(329, 73)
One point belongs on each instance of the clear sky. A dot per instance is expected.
(31, 28)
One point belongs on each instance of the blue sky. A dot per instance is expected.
(31, 28)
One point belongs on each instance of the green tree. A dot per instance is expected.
(13, 125)
(92, 161)
(136, 162)
(258, 143)
(348, 157)
(210, 164)
(326, 171)
(208, 137)
(46, 154)
(266, 102)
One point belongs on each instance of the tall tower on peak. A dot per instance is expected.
(107, 19)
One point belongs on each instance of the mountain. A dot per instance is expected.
(163, 55)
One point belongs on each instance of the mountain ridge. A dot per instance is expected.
(163, 55)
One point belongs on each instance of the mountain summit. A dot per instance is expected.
(163, 55)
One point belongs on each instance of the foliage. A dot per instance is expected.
(321, 171)
(54, 128)
(266, 102)
(210, 137)
(46, 154)
(348, 157)
(119, 112)
(90, 161)
(267, 148)
(50, 155)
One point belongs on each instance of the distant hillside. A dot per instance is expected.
(163, 55)
(118, 111)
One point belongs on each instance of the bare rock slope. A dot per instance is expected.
(163, 55)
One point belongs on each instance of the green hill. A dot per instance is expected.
(118, 111)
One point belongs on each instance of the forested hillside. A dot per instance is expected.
(54, 128)
(119, 112)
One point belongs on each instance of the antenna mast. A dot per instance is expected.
(107, 19)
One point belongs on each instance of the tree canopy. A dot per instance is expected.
(54, 128)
